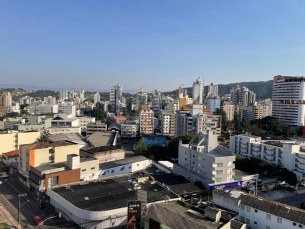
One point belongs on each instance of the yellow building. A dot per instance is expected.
(43, 153)
(11, 140)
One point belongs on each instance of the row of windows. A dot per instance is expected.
(268, 216)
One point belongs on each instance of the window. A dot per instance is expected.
(112, 171)
(300, 226)
(242, 219)
(137, 164)
(83, 170)
(219, 172)
(104, 173)
(267, 227)
(247, 221)
(279, 220)
(294, 224)
(255, 222)
(268, 216)
(248, 209)
(92, 168)
(255, 210)
(242, 207)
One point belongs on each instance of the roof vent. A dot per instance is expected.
(129, 189)
(156, 190)
(86, 198)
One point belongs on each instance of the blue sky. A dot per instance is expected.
(155, 44)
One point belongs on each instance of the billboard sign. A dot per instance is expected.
(225, 186)
(134, 214)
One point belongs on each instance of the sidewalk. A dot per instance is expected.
(6, 216)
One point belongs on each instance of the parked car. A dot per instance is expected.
(285, 185)
(301, 184)
(37, 220)
(3, 174)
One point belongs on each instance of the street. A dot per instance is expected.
(10, 188)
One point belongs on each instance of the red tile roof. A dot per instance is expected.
(14, 153)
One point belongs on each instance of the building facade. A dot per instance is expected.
(288, 152)
(242, 96)
(202, 160)
(198, 87)
(167, 123)
(288, 100)
(213, 103)
(116, 98)
(146, 122)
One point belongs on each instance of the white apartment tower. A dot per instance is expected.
(202, 160)
(288, 100)
(198, 87)
(213, 103)
(97, 98)
(146, 122)
(116, 97)
(167, 123)
(141, 98)
(210, 90)
(242, 96)
(63, 94)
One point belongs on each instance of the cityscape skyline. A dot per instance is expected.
(142, 44)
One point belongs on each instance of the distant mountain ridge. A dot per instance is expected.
(263, 89)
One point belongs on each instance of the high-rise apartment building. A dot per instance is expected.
(77, 93)
(63, 94)
(210, 90)
(195, 121)
(229, 109)
(141, 98)
(288, 100)
(49, 100)
(97, 98)
(202, 160)
(146, 122)
(156, 101)
(116, 98)
(213, 103)
(242, 96)
(67, 108)
(167, 123)
(198, 87)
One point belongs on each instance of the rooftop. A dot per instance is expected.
(275, 208)
(277, 144)
(100, 149)
(76, 138)
(43, 168)
(14, 153)
(42, 145)
(110, 194)
(174, 215)
(125, 161)
(101, 138)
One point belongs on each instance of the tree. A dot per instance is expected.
(140, 147)
(173, 144)
(224, 120)
(98, 113)
(108, 121)
(12, 114)
(23, 112)
(22, 106)
(44, 137)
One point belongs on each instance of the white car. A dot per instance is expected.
(4, 174)
(285, 185)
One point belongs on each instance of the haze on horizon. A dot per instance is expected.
(150, 44)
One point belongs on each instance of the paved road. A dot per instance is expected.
(294, 200)
(10, 188)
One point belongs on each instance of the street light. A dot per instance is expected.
(20, 195)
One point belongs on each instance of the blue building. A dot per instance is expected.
(151, 140)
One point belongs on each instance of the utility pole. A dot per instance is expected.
(255, 187)
(20, 195)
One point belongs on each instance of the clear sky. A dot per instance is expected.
(156, 44)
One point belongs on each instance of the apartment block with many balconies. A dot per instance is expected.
(289, 152)
(146, 122)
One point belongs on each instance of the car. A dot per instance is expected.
(37, 220)
(301, 184)
(285, 185)
(4, 174)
